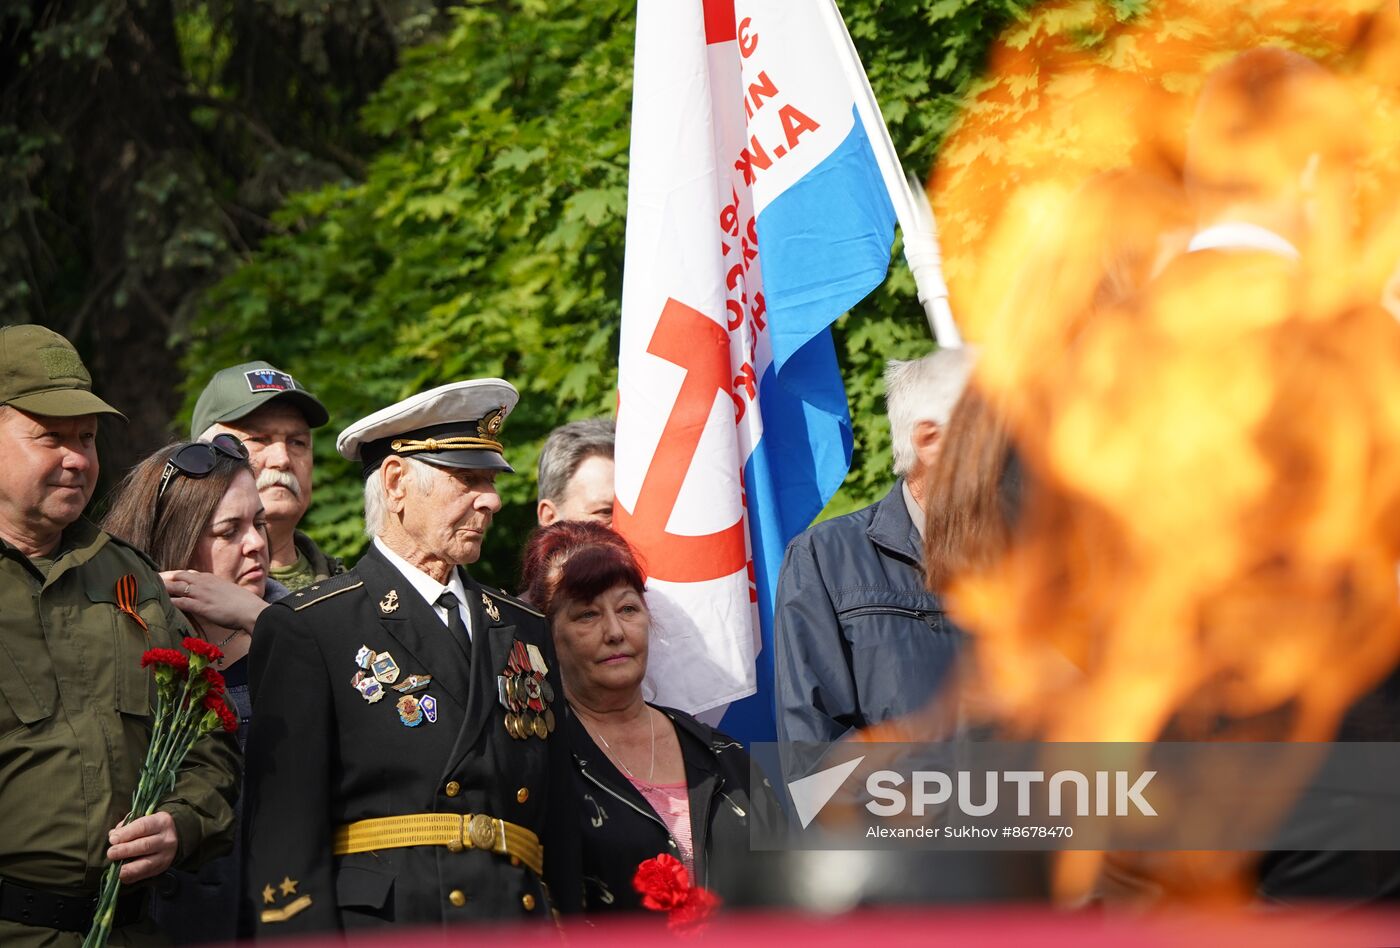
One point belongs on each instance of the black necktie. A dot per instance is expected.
(455, 625)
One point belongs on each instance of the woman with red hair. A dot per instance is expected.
(649, 780)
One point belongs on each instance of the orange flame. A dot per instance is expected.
(1212, 533)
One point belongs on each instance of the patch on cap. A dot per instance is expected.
(61, 362)
(269, 380)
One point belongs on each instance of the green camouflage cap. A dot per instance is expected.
(41, 373)
(240, 390)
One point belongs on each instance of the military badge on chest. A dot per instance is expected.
(526, 693)
(378, 671)
(410, 711)
(489, 605)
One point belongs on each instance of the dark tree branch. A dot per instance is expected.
(99, 292)
(231, 108)
(264, 224)
(155, 306)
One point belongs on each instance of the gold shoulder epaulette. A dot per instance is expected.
(511, 600)
(320, 592)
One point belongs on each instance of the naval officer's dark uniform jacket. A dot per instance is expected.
(321, 756)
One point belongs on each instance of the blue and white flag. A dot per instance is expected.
(757, 214)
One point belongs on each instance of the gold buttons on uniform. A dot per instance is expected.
(455, 846)
(528, 901)
(522, 794)
(453, 788)
(457, 897)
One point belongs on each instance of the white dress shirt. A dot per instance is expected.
(430, 589)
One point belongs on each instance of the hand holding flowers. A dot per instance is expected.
(189, 704)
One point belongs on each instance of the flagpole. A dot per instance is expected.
(915, 215)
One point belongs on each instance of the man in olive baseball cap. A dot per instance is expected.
(41, 373)
(273, 415)
(77, 610)
(240, 390)
(49, 437)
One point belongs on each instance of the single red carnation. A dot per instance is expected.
(700, 903)
(168, 657)
(662, 881)
(208, 650)
(217, 685)
(227, 719)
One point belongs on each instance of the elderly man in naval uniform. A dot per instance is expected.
(402, 767)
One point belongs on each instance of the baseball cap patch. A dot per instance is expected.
(269, 380)
(61, 362)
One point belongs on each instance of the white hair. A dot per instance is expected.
(923, 390)
(421, 473)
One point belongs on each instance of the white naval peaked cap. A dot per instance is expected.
(453, 425)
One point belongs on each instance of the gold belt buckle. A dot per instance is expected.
(482, 831)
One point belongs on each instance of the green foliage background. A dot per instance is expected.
(144, 145)
(486, 237)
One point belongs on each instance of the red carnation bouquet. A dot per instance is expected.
(665, 886)
(189, 704)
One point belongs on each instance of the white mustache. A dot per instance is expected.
(271, 478)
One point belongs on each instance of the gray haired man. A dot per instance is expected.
(273, 415)
(859, 639)
(576, 473)
(446, 804)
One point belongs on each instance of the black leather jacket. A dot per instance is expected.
(620, 830)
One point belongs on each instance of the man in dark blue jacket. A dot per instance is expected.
(859, 639)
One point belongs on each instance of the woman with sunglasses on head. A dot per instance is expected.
(193, 508)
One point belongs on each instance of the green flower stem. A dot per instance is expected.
(159, 734)
(187, 710)
(178, 724)
(106, 908)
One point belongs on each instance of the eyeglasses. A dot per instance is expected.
(198, 459)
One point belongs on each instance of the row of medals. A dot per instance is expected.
(378, 670)
(526, 693)
(523, 689)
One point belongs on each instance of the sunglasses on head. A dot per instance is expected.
(198, 459)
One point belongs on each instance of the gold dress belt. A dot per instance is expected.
(456, 831)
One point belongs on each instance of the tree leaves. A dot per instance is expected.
(487, 237)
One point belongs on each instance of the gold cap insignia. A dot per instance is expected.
(490, 424)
